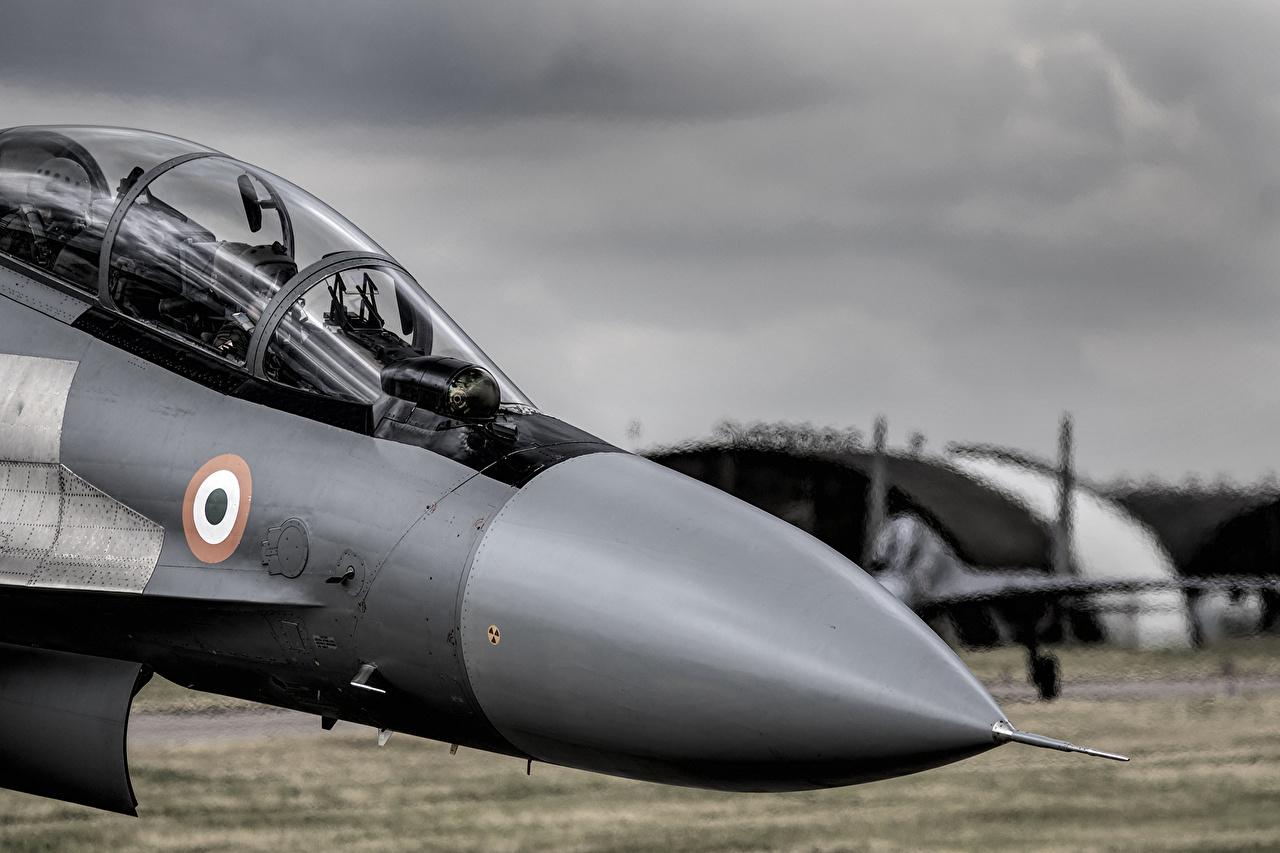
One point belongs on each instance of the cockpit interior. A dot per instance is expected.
(206, 248)
(54, 204)
(239, 280)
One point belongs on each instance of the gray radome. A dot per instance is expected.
(654, 627)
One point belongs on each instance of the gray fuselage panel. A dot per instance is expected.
(407, 517)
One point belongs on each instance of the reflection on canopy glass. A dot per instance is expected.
(59, 186)
(205, 246)
(187, 260)
(338, 336)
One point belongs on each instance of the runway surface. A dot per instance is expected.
(259, 723)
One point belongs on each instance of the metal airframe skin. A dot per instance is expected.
(651, 642)
(519, 587)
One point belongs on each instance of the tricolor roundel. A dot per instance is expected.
(216, 508)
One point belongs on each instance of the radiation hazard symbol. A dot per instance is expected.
(495, 636)
(215, 509)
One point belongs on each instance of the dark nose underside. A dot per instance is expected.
(647, 625)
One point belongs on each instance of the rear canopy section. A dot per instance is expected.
(59, 187)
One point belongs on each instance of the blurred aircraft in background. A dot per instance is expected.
(914, 563)
(988, 545)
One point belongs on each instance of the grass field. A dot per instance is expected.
(1205, 776)
(1243, 657)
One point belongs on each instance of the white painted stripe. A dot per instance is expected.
(33, 401)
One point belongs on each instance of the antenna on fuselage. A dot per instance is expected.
(1062, 561)
(877, 497)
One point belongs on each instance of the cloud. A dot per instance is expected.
(968, 218)
(409, 62)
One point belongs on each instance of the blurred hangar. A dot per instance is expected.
(992, 546)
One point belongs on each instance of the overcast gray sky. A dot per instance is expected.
(969, 217)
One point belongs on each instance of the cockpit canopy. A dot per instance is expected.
(231, 260)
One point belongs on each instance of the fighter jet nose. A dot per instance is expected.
(622, 618)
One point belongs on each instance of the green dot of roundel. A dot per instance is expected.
(215, 506)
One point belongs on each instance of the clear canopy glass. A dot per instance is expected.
(338, 336)
(59, 186)
(205, 247)
(187, 259)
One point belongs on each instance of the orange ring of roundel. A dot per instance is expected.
(203, 551)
